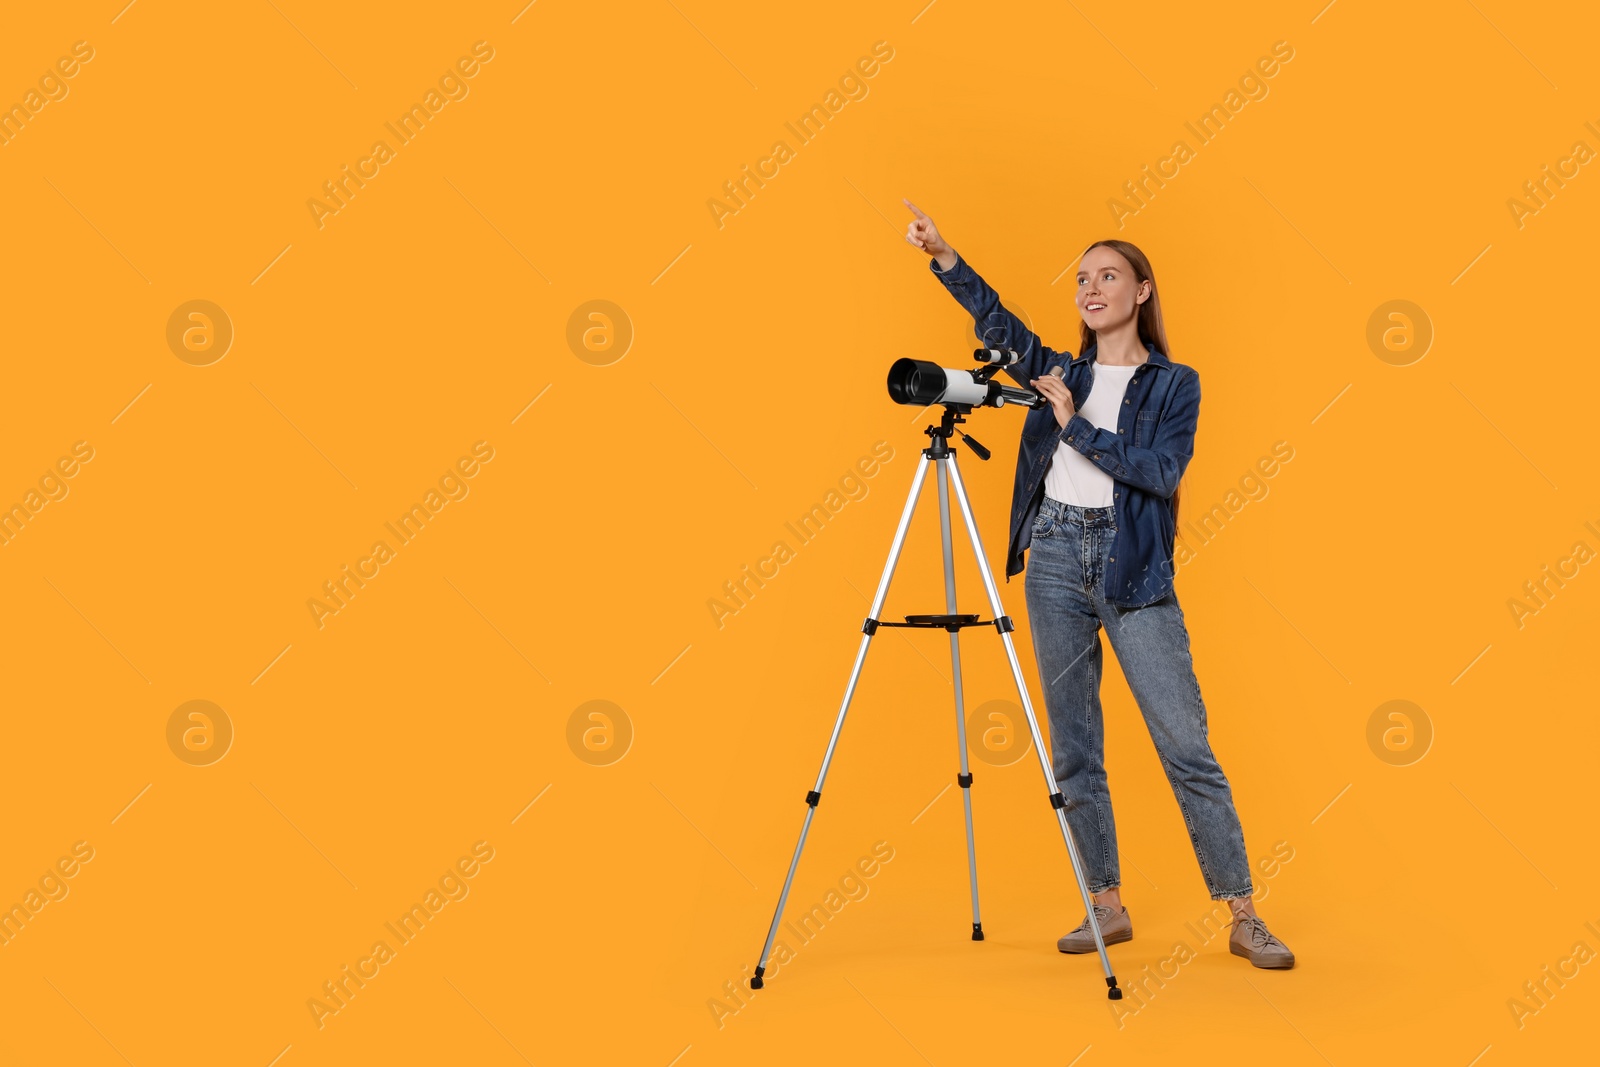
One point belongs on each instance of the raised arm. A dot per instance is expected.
(992, 323)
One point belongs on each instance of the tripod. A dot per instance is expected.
(947, 474)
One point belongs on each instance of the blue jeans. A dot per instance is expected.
(1066, 608)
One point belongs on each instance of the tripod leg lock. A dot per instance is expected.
(965, 780)
(869, 627)
(1004, 624)
(813, 797)
(1057, 801)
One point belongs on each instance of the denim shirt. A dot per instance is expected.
(1146, 456)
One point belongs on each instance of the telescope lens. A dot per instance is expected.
(916, 381)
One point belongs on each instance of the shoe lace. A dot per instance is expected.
(1256, 930)
(1102, 912)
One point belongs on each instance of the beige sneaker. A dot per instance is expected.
(1115, 928)
(1252, 940)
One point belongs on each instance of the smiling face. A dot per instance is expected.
(1108, 292)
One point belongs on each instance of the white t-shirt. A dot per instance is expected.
(1072, 478)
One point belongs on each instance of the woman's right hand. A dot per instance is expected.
(922, 233)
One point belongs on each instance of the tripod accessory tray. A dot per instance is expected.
(953, 623)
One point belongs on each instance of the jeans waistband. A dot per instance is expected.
(1061, 511)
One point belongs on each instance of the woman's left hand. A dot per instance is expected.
(1055, 390)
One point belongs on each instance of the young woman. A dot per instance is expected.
(1096, 498)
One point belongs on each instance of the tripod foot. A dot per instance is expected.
(1113, 993)
(977, 931)
(757, 983)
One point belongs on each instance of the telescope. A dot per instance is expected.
(919, 382)
(913, 381)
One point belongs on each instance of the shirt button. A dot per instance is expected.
(1122, 431)
(1127, 401)
(1113, 559)
(1069, 437)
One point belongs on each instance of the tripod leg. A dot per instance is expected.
(868, 628)
(1004, 625)
(941, 477)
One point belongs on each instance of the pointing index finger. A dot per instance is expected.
(914, 209)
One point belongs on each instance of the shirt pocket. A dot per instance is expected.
(1144, 429)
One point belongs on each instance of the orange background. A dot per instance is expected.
(432, 312)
